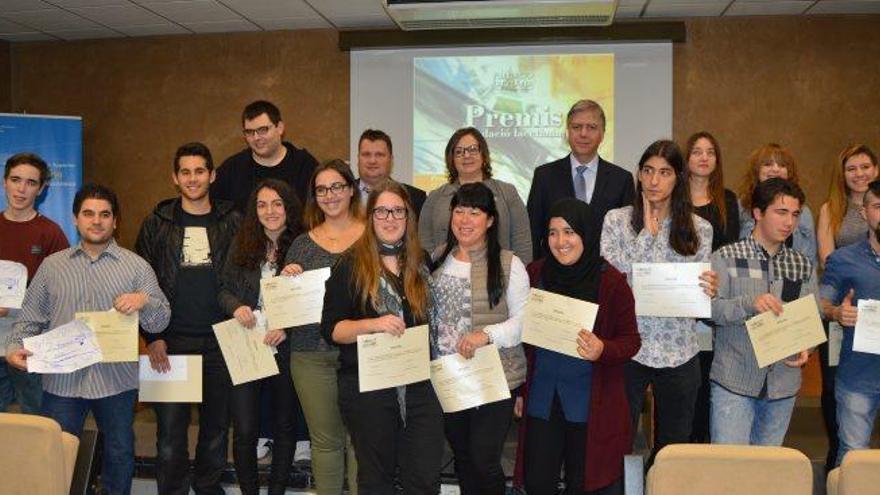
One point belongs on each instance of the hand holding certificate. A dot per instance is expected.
(291, 301)
(182, 383)
(246, 356)
(386, 361)
(64, 349)
(117, 334)
(13, 283)
(553, 321)
(465, 383)
(776, 337)
(670, 290)
(867, 331)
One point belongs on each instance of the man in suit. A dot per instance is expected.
(583, 174)
(375, 159)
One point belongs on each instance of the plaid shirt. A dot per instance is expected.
(745, 271)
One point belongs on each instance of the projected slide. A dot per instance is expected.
(518, 102)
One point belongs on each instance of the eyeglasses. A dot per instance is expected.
(336, 188)
(470, 150)
(259, 131)
(381, 213)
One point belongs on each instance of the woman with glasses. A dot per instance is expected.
(334, 221)
(768, 161)
(467, 161)
(270, 224)
(381, 285)
(480, 296)
(660, 227)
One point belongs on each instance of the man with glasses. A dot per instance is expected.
(375, 160)
(267, 156)
(583, 174)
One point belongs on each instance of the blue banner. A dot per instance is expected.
(58, 140)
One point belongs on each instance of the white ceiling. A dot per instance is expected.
(30, 20)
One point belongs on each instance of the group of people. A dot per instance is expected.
(461, 259)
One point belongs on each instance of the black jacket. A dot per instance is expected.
(236, 177)
(552, 181)
(160, 241)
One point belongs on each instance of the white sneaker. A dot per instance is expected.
(264, 445)
(303, 452)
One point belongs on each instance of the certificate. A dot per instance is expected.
(291, 301)
(246, 356)
(777, 337)
(553, 321)
(867, 331)
(386, 361)
(465, 383)
(13, 284)
(117, 334)
(670, 290)
(182, 383)
(64, 349)
(196, 248)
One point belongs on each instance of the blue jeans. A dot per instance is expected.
(20, 386)
(115, 417)
(855, 418)
(743, 420)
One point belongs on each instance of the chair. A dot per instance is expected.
(729, 469)
(858, 473)
(36, 454)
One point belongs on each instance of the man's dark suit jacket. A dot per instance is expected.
(416, 196)
(552, 181)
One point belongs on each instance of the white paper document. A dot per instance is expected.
(117, 334)
(64, 349)
(295, 300)
(246, 356)
(196, 248)
(867, 331)
(182, 383)
(553, 321)
(13, 284)
(797, 329)
(670, 290)
(464, 383)
(386, 361)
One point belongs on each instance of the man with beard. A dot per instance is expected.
(852, 273)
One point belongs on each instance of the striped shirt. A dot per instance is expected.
(70, 281)
(745, 271)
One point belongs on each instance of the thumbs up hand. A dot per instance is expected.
(846, 312)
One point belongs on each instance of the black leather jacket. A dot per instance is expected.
(160, 240)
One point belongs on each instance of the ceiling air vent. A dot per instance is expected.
(413, 15)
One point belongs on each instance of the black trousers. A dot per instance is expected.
(675, 393)
(477, 437)
(829, 403)
(553, 443)
(700, 428)
(173, 474)
(384, 442)
(244, 405)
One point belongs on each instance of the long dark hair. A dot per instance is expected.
(451, 171)
(476, 195)
(251, 240)
(682, 234)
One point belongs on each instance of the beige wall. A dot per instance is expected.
(808, 83)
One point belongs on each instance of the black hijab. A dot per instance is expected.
(580, 280)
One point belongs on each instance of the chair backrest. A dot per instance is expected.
(729, 469)
(38, 453)
(859, 472)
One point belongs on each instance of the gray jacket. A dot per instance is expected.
(514, 232)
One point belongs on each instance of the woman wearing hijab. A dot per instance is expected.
(576, 412)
